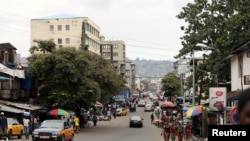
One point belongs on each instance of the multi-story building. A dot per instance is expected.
(130, 73)
(77, 32)
(115, 52)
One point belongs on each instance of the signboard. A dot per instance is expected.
(217, 98)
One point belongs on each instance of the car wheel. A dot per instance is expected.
(72, 137)
(63, 138)
(9, 135)
(20, 136)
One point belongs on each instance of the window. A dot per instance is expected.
(115, 46)
(240, 63)
(115, 54)
(51, 27)
(67, 40)
(67, 27)
(59, 27)
(59, 41)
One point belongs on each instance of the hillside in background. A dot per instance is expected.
(152, 68)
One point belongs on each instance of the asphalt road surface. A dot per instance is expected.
(118, 130)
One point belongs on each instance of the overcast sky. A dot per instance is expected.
(149, 28)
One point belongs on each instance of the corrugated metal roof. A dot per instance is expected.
(6, 108)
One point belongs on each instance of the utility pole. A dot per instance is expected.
(193, 97)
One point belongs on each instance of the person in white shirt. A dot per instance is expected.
(26, 124)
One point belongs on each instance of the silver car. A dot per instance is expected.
(148, 107)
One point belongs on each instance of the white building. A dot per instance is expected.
(67, 31)
(240, 72)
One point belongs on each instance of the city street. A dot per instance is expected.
(118, 130)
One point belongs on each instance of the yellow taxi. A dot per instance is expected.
(15, 128)
(121, 112)
(53, 130)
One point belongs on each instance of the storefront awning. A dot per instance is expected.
(20, 105)
(10, 109)
(12, 72)
(4, 78)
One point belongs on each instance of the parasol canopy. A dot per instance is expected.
(58, 112)
(168, 104)
(194, 111)
(185, 108)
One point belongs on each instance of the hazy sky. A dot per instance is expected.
(149, 28)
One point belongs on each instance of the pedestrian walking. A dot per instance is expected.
(3, 123)
(26, 124)
(152, 117)
(180, 132)
(109, 114)
(77, 124)
(173, 132)
(166, 131)
(114, 114)
(188, 131)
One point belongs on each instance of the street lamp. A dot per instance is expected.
(205, 47)
(217, 59)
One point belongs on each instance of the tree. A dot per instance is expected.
(221, 24)
(171, 85)
(74, 77)
(43, 46)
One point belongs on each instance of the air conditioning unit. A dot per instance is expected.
(247, 80)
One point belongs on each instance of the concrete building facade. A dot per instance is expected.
(67, 32)
(115, 52)
(130, 74)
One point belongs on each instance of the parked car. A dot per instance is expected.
(141, 103)
(54, 130)
(148, 107)
(15, 128)
(121, 112)
(136, 121)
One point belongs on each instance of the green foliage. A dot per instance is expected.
(171, 84)
(74, 77)
(221, 24)
(43, 46)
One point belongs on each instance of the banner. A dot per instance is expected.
(217, 98)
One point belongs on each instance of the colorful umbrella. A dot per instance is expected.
(194, 111)
(58, 112)
(168, 104)
(185, 108)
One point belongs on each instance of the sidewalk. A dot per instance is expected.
(198, 139)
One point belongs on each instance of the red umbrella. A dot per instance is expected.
(168, 104)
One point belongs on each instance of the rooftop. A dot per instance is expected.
(4, 46)
(61, 16)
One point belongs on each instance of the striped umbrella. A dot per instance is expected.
(58, 112)
(194, 111)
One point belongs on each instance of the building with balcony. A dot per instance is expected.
(12, 76)
(67, 31)
(240, 72)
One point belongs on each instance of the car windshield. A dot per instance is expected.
(52, 124)
(136, 118)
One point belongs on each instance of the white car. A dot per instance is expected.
(141, 103)
(148, 107)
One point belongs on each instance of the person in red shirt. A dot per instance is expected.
(188, 131)
(180, 132)
(173, 132)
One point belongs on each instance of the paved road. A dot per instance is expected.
(118, 130)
